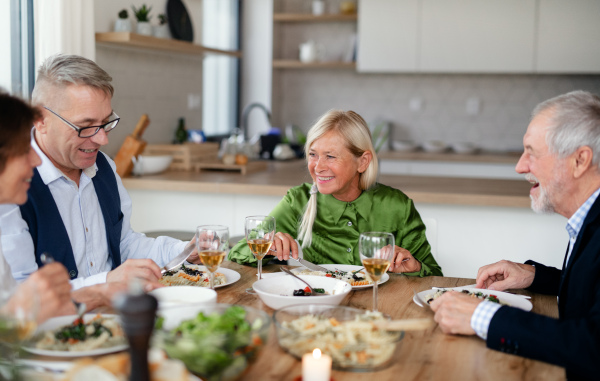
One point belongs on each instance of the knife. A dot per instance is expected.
(308, 265)
(178, 259)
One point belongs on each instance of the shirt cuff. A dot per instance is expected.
(89, 281)
(482, 317)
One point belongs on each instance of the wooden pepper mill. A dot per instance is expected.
(137, 311)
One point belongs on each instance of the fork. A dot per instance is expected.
(312, 291)
(46, 259)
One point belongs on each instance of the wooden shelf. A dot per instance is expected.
(294, 64)
(127, 39)
(306, 17)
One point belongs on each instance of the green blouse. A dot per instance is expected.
(338, 225)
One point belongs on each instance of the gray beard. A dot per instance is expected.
(543, 204)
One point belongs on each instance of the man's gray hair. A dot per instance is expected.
(574, 122)
(62, 70)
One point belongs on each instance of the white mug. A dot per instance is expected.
(318, 7)
(311, 52)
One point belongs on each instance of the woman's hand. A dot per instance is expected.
(283, 243)
(404, 262)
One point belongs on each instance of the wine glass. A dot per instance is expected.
(376, 252)
(260, 231)
(212, 242)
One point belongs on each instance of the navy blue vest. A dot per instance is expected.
(48, 230)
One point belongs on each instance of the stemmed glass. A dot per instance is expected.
(212, 242)
(376, 252)
(260, 231)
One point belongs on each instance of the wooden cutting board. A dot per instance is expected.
(131, 147)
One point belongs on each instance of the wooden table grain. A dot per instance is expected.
(421, 355)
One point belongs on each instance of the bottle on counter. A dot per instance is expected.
(181, 134)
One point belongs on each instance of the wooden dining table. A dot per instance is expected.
(421, 355)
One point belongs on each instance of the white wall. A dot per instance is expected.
(464, 238)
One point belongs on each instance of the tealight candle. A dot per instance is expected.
(316, 366)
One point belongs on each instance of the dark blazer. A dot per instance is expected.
(573, 340)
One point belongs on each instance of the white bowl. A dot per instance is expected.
(404, 145)
(464, 147)
(277, 292)
(151, 164)
(434, 146)
(190, 296)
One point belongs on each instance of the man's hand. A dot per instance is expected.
(404, 262)
(453, 312)
(46, 292)
(145, 269)
(283, 243)
(505, 275)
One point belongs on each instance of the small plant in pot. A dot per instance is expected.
(142, 14)
(123, 23)
(162, 30)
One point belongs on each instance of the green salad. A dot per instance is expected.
(216, 345)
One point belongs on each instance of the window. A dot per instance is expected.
(220, 81)
(16, 36)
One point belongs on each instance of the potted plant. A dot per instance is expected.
(162, 30)
(123, 23)
(142, 14)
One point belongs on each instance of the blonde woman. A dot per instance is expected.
(327, 216)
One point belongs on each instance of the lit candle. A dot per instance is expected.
(316, 366)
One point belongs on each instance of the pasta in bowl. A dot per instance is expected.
(347, 334)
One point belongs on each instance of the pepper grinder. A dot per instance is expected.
(137, 311)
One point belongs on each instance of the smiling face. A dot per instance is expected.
(16, 177)
(544, 170)
(83, 106)
(334, 169)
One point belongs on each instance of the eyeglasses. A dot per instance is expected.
(88, 132)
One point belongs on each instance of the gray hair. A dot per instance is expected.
(574, 122)
(62, 70)
(355, 131)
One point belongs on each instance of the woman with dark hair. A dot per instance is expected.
(48, 287)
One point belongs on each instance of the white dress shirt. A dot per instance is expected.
(80, 211)
(7, 282)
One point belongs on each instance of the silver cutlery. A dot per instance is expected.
(312, 291)
(46, 258)
(178, 260)
(309, 265)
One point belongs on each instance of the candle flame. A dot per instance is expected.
(317, 353)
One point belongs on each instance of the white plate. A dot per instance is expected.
(231, 275)
(349, 268)
(510, 299)
(62, 321)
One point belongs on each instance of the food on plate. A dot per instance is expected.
(100, 332)
(190, 276)
(306, 291)
(351, 343)
(354, 278)
(474, 294)
(212, 344)
(117, 367)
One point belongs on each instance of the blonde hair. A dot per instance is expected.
(355, 131)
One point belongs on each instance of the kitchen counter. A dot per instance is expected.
(478, 157)
(280, 176)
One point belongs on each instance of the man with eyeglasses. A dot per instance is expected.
(78, 210)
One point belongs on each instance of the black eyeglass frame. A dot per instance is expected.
(80, 129)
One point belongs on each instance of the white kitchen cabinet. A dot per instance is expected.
(568, 34)
(387, 35)
(475, 36)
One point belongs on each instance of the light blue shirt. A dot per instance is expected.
(80, 211)
(482, 317)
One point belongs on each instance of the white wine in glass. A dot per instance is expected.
(260, 231)
(376, 252)
(212, 242)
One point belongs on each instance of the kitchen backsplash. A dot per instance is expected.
(154, 83)
(505, 102)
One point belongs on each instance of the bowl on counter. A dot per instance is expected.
(151, 164)
(277, 292)
(344, 333)
(219, 343)
(465, 148)
(404, 145)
